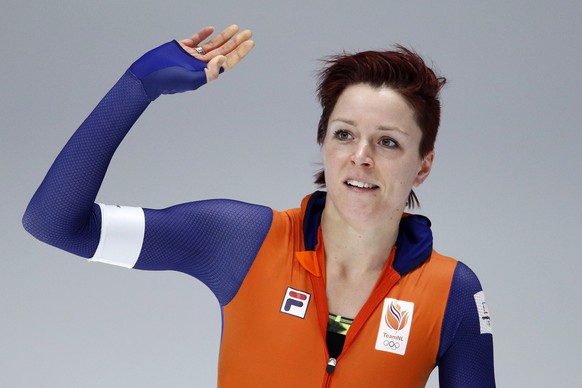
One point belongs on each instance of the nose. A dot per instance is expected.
(362, 155)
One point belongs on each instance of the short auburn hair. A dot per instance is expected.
(401, 70)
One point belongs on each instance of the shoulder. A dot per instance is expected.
(466, 313)
(467, 299)
(465, 355)
(286, 227)
(465, 305)
(465, 280)
(462, 278)
(465, 285)
(465, 291)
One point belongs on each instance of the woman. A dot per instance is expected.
(344, 291)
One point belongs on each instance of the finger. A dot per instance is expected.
(237, 55)
(219, 39)
(213, 68)
(233, 43)
(226, 48)
(198, 37)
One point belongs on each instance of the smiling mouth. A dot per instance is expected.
(360, 185)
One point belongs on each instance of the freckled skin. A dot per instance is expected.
(373, 138)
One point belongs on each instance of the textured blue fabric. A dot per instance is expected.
(465, 357)
(62, 211)
(312, 219)
(413, 244)
(168, 69)
(215, 241)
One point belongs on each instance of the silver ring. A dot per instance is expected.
(199, 50)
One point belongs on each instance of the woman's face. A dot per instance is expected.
(370, 155)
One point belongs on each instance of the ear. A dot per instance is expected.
(424, 170)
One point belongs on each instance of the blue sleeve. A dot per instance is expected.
(62, 211)
(465, 357)
(215, 241)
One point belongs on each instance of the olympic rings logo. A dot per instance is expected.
(392, 344)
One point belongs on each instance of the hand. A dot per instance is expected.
(224, 51)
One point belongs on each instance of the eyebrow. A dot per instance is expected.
(381, 128)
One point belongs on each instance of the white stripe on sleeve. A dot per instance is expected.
(122, 233)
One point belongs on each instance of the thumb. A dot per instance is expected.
(214, 66)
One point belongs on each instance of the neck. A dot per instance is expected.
(355, 250)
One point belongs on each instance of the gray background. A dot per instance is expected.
(504, 194)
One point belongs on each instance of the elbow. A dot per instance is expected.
(38, 224)
(81, 241)
(32, 224)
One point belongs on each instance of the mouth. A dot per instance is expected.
(360, 185)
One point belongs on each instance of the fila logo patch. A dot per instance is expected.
(484, 318)
(395, 326)
(295, 302)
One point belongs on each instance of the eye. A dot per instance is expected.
(342, 135)
(388, 142)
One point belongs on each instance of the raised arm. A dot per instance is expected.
(62, 212)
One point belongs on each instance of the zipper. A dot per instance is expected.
(331, 365)
(387, 280)
(329, 368)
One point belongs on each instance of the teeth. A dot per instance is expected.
(361, 185)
